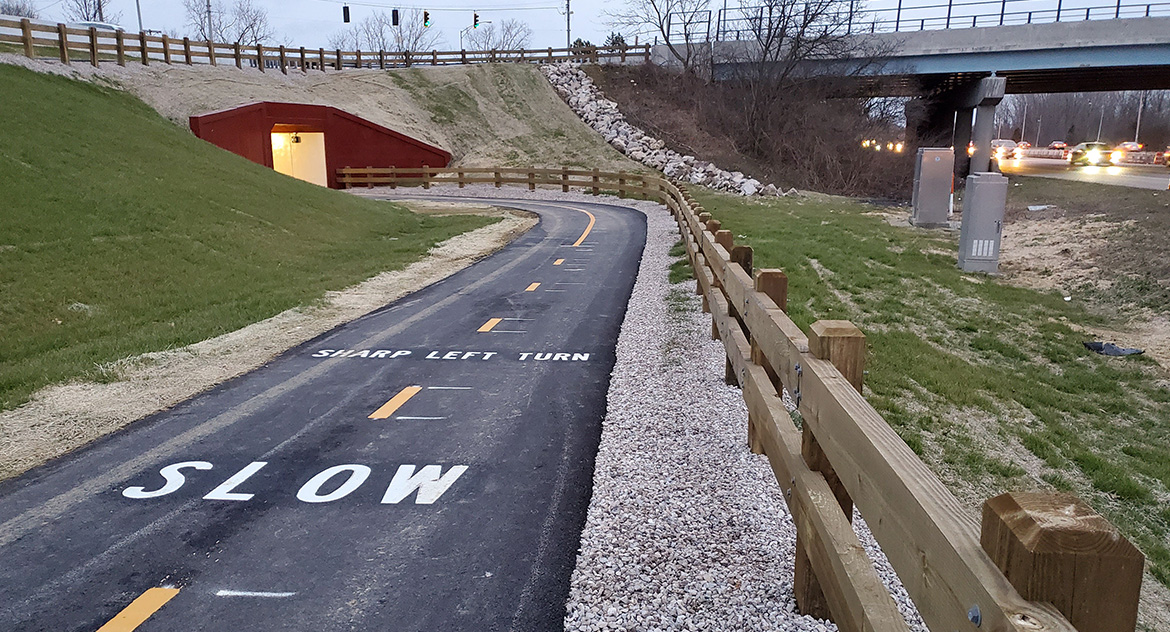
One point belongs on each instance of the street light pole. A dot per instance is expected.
(1039, 122)
(138, 5)
(1100, 122)
(1141, 104)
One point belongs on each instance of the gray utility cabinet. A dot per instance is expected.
(982, 228)
(934, 173)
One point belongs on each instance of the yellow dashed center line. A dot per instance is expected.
(139, 610)
(532, 288)
(490, 324)
(592, 221)
(558, 262)
(395, 402)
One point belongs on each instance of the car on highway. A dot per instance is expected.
(1058, 144)
(101, 26)
(1002, 148)
(1018, 152)
(1089, 154)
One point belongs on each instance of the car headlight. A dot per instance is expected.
(1094, 156)
(1116, 157)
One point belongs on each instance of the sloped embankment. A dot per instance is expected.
(485, 115)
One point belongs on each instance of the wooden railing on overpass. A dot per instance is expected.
(68, 44)
(1040, 562)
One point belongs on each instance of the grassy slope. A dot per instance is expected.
(121, 233)
(984, 380)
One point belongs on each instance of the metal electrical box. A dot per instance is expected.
(982, 227)
(934, 173)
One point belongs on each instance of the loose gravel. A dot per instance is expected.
(686, 530)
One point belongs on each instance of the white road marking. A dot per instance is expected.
(420, 418)
(448, 388)
(249, 593)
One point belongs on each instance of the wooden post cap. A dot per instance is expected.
(1055, 548)
(843, 344)
(725, 239)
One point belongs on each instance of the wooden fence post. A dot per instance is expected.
(843, 344)
(460, 177)
(93, 46)
(358, 59)
(304, 62)
(211, 53)
(462, 56)
(260, 57)
(338, 60)
(239, 55)
(381, 60)
(187, 50)
(496, 177)
(63, 40)
(166, 46)
(434, 57)
(621, 187)
(774, 284)
(120, 44)
(283, 61)
(725, 239)
(565, 179)
(426, 171)
(321, 58)
(145, 54)
(550, 57)
(1054, 548)
(596, 181)
(393, 177)
(531, 180)
(26, 37)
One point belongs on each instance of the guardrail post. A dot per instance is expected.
(304, 62)
(462, 56)
(496, 178)
(211, 53)
(460, 177)
(564, 179)
(120, 44)
(434, 57)
(260, 57)
(145, 53)
(187, 50)
(321, 58)
(93, 46)
(238, 54)
(393, 177)
(531, 180)
(338, 60)
(63, 39)
(1054, 548)
(843, 344)
(426, 171)
(26, 37)
(596, 181)
(283, 60)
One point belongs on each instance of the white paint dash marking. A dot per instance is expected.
(420, 418)
(249, 593)
(448, 388)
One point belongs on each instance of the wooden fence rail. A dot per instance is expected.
(1041, 562)
(38, 39)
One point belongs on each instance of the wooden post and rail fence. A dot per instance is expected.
(91, 45)
(1039, 561)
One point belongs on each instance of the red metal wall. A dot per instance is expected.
(350, 141)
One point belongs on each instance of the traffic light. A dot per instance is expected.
(426, 18)
(394, 17)
(344, 14)
(474, 20)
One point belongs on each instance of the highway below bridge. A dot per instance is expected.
(1156, 177)
(425, 467)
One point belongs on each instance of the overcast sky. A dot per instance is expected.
(311, 22)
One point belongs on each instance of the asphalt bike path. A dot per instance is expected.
(425, 467)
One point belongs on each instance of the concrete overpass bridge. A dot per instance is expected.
(958, 62)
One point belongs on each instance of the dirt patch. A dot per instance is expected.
(61, 418)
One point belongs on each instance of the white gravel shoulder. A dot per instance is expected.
(686, 530)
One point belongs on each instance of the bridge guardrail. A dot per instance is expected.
(960, 576)
(68, 44)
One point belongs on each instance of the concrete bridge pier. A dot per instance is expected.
(958, 116)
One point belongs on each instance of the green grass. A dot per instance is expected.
(122, 234)
(983, 380)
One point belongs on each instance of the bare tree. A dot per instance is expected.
(507, 35)
(90, 11)
(19, 8)
(682, 24)
(377, 32)
(244, 22)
